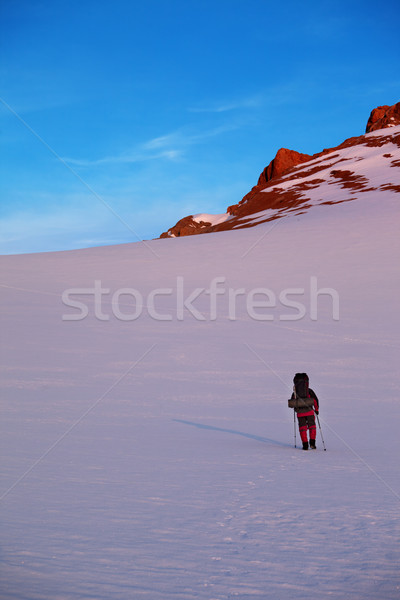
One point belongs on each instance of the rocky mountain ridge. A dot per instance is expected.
(285, 184)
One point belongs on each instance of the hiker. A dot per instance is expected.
(305, 410)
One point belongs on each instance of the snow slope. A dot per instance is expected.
(366, 166)
(154, 458)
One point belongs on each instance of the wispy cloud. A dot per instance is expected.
(184, 139)
(126, 158)
(269, 97)
(171, 146)
(227, 106)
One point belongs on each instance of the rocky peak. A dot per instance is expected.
(383, 116)
(285, 159)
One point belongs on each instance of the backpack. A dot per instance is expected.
(300, 387)
(301, 398)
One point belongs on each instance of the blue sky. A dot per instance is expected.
(119, 118)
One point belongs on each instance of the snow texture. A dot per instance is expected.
(212, 219)
(155, 459)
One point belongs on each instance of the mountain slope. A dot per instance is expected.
(147, 449)
(294, 182)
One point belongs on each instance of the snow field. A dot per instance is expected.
(155, 459)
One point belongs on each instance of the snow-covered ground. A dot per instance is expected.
(148, 451)
(213, 219)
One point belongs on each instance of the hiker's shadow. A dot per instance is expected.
(251, 436)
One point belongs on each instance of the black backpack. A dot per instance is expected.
(300, 387)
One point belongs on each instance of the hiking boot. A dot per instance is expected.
(312, 445)
(305, 445)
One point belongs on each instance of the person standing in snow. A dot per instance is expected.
(305, 411)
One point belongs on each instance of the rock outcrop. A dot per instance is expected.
(383, 116)
(186, 226)
(285, 159)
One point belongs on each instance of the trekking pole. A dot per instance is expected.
(294, 416)
(320, 430)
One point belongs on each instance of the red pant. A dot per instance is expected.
(307, 422)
